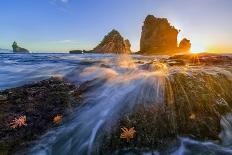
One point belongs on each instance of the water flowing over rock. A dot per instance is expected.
(185, 45)
(17, 49)
(177, 105)
(161, 102)
(113, 42)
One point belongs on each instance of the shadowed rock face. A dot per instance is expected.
(17, 49)
(113, 42)
(185, 45)
(158, 36)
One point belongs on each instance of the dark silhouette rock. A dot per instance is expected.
(158, 36)
(76, 52)
(17, 49)
(113, 42)
(80, 52)
(185, 45)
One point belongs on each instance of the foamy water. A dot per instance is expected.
(118, 83)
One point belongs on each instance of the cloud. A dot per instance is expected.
(64, 1)
(59, 1)
(61, 5)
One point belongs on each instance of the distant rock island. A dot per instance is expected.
(80, 52)
(18, 49)
(113, 42)
(160, 37)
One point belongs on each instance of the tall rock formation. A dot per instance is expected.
(127, 45)
(17, 49)
(113, 42)
(158, 36)
(185, 45)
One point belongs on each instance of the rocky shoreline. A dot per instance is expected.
(190, 109)
(40, 103)
(193, 106)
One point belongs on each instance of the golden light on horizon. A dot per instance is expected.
(198, 49)
(195, 52)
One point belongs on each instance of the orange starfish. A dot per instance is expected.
(18, 122)
(57, 119)
(127, 133)
(192, 116)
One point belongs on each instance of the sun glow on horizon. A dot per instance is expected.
(198, 49)
(195, 52)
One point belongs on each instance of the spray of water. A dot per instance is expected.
(119, 86)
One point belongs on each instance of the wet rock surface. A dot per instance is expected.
(40, 103)
(192, 98)
(203, 59)
(193, 107)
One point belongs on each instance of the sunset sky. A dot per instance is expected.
(62, 25)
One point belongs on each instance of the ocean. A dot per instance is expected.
(122, 82)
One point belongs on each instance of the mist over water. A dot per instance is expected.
(115, 84)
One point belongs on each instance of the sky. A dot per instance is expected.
(63, 25)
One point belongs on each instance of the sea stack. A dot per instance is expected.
(17, 49)
(113, 42)
(159, 37)
(185, 45)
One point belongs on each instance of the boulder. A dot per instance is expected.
(18, 49)
(113, 42)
